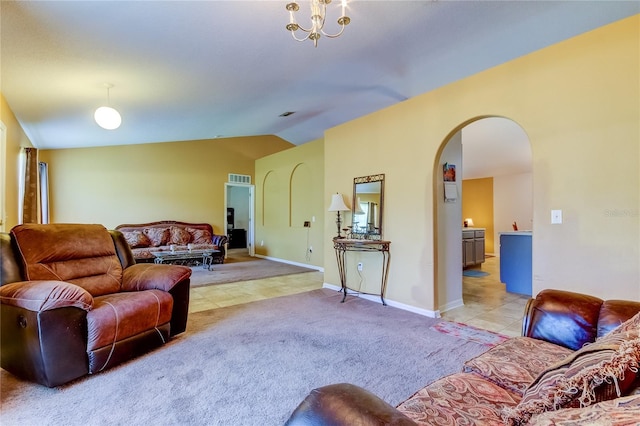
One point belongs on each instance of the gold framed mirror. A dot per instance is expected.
(368, 206)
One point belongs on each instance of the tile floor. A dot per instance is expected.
(221, 295)
(487, 304)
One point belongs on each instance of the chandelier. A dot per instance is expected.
(318, 15)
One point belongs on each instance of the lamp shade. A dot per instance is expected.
(359, 207)
(107, 118)
(337, 204)
(469, 221)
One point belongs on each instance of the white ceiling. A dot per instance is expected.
(190, 70)
(495, 147)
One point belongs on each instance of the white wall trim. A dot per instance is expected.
(291, 262)
(392, 303)
(452, 305)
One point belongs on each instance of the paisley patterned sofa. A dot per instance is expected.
(146, 238)
(576, 363)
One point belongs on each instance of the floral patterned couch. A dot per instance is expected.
(576, 363)
(146, 238)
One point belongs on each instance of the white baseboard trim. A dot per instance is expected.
(392, 303)
(290, 262)
(452, 305)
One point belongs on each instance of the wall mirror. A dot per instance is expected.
(368, 203)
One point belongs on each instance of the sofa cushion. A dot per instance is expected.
(599, 371)
(148, 276)
(179, 236)
(459, 399)
(136, 239)
(204, 247)
(510, 364)
(118, 316)
(146, 252)
(616, 312)
(616, 412)
(564, 318)
(200, 236)
(81, 254)
(157, 236)
(630, 328)
(40, 296)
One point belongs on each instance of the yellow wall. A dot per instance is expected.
(477, 203)
(141, 183)
(16, 139)
(290, 191)
(578, 103)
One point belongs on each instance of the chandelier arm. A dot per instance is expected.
(293, 34)
(333, 35)
(301, 28)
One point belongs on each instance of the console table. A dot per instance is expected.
(344, 245)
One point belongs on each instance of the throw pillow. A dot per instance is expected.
(179, 236)
(599, 371)
(619, 412)
(136, 239)
(510, 364)
(157, 236)
(200, 236)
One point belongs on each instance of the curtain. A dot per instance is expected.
(44, 191)
(30, 194)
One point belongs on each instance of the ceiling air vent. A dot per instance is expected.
(234, 178)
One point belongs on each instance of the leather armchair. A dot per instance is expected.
(74, 302)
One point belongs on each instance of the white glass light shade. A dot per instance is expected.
(469, 221)
(107, 118)
(337, 204)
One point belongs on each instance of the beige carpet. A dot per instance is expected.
(251, 365)
(242, 267)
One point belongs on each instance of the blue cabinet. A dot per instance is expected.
(515, 261)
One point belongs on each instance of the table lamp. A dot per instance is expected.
(338, 205)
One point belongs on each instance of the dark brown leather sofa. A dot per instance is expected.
(554, 319)
(74, 302)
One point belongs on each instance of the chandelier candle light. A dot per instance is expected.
(338, 205)
(318, 16)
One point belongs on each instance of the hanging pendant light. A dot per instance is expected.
(107, 117)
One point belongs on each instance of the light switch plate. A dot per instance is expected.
(556, 216)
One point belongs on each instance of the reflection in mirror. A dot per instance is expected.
(367, 208)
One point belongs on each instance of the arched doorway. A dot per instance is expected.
(495, 154)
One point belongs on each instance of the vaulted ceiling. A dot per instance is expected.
(190, 70)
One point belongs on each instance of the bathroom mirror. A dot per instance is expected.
(368, 203)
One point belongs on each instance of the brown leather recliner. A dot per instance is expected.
(74, 302)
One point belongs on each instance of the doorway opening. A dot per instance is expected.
(492, 156)
(239, 216)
